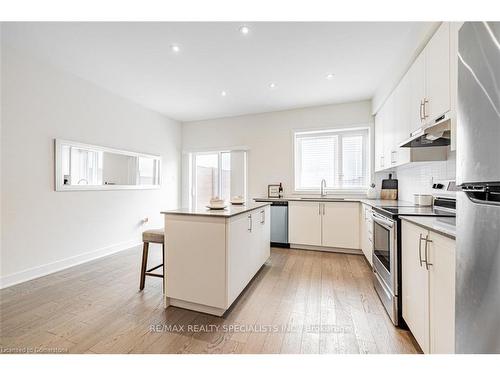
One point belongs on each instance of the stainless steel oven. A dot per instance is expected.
(385, 262)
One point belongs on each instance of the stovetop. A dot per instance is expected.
(394, 212)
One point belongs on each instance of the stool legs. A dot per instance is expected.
(144, 264)
(163, 265)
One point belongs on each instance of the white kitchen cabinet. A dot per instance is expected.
(263, 234)
(248, 247)
(325, 224)
(423, 95)
(379, 140)
(428, 287)
(454, 28)
(304, 223)
(437, 74)
(416, 79)
(210, 259)
(366, 232)
(415, 284)
(442, 293)
(340, 224)
(389, 131)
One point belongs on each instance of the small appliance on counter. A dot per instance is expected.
(422, 199)
(389, 188)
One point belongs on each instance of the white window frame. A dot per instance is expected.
(192, 171)
(358, 130)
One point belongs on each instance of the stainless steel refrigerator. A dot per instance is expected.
(477, 327)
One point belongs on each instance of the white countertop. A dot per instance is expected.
(442, 225)
(370, 202)
(229, 211)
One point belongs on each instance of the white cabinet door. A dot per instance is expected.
(389, 132)
(264, 215)
(341, 224)
(304, 223)
(240, 257)
(442, 294)
(415, 283)
(402, 121)
(367, 233)
(437, 74)
(379, 140)
(416, 78)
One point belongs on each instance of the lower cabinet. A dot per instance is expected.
(366, 232)
(340, 225)
(304, 223)
(428, 276)
(248, 239)
(329, 224)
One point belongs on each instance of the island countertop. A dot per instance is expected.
(229, 211)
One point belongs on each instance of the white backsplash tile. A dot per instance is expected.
(418, 177)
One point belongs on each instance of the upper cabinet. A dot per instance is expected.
(437, 75)
(416, 81)
(423, 95)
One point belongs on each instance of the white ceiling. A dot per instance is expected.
(135, 61)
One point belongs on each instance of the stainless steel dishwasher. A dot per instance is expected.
(279, 224)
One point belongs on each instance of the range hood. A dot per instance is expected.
(434, 135)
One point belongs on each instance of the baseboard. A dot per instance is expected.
(46, 269)
(327, 249)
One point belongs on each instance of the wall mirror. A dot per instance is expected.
(80, 166)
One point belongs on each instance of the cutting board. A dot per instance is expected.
(389, 188)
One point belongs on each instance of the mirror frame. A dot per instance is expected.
(58, 178)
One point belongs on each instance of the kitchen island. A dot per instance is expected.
(212, 255)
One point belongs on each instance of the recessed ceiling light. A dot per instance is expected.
(175, 48)
(272, 85)
(244, 30)
(223, 93)
(329, 76)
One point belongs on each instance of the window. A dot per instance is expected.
(338, 156)
(217, 174)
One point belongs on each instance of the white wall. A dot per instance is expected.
(44, 230)
(269, 139)
(417, 178)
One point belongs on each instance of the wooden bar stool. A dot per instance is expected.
(152, 236)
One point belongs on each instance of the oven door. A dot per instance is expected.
(384, 251)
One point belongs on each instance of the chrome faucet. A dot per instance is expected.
(323, 186)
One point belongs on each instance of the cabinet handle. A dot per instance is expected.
(425, 112)
(323, 209)
(262, 217)
(427, 264)
(381, 161)
(420, 249)
(394, 160)
(249, 223)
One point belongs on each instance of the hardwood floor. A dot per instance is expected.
(300, 302)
